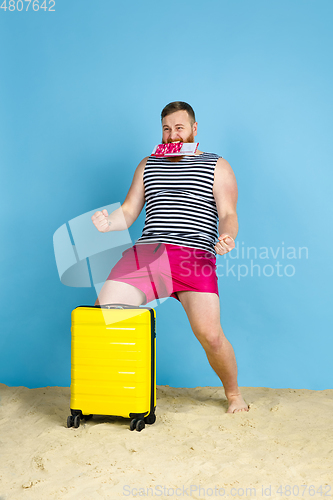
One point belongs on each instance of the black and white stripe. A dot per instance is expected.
(180, 205)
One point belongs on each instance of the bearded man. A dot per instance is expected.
(187, 197)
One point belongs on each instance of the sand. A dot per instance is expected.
(283, 442)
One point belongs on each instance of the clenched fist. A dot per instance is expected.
(224, 244)
(101, 222)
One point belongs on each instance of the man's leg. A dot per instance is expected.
(203, 312)
(114, 292)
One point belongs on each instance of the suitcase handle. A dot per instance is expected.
(118, 306)
(115, 306)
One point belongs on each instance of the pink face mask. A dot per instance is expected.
(175, 149)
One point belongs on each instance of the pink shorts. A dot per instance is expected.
(161, 270)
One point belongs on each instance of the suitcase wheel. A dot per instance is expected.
(137, 424)
(73, 421)
(132, 424)
(140, 425)
(77, 421)
(70, 421)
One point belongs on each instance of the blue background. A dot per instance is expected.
(81, 93)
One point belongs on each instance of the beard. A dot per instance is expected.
(190, 138)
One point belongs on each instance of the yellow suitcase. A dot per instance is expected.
(113, 363)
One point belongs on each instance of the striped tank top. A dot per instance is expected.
(180, 205)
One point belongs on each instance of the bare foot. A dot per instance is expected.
(236, 404)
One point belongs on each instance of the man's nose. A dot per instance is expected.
(174, 135)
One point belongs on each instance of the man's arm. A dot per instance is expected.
(129, 211)
(135, 198)
(225, 192)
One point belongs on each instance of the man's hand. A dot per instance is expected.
(101, 222)
(224, 244)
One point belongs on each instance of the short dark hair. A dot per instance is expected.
(178, 106)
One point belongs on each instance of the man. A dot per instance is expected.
(185, 196)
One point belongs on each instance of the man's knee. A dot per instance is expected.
(211, 340)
